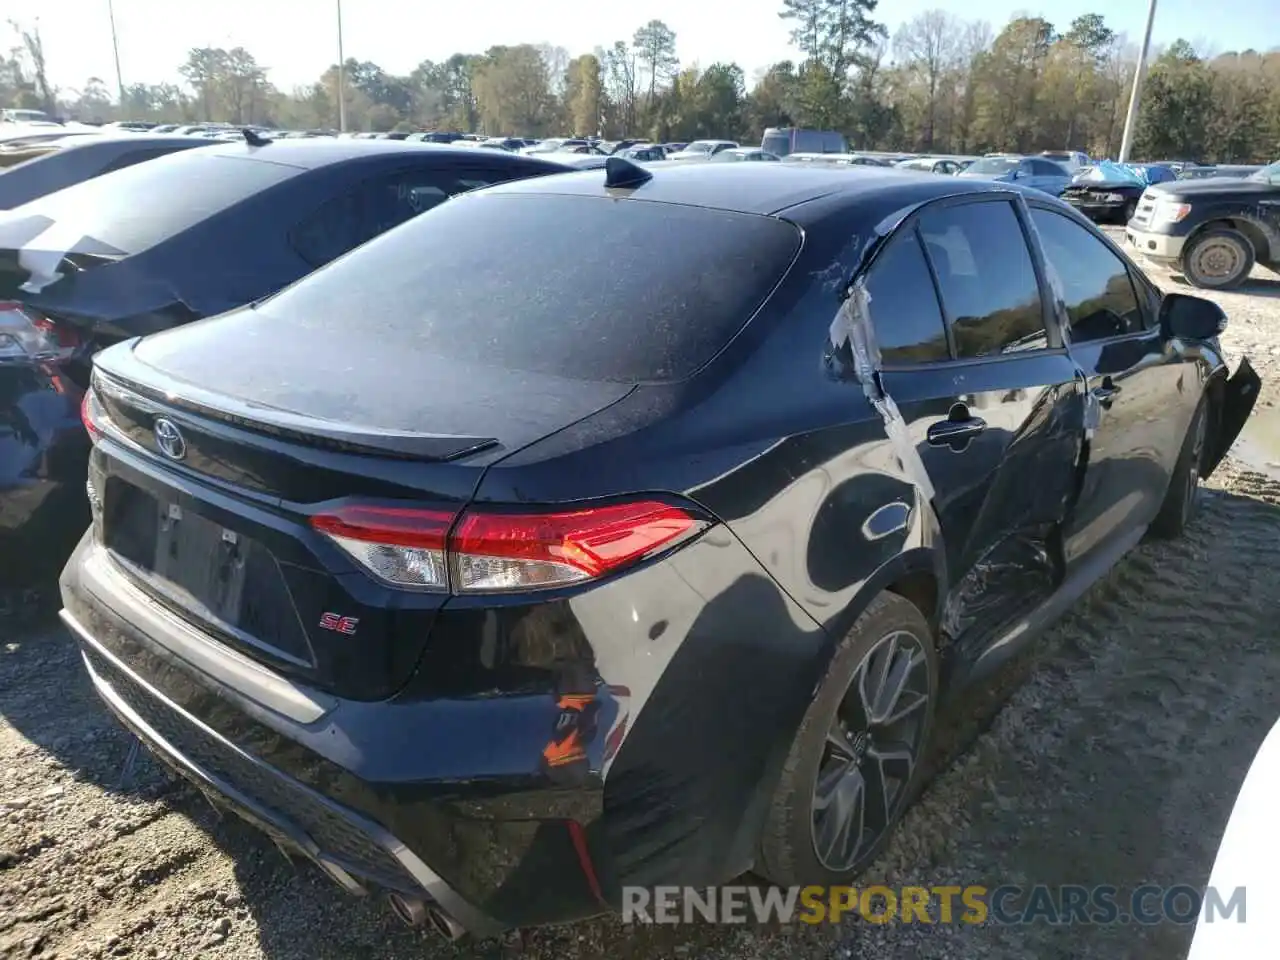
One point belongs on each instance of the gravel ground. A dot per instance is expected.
(1110, 754)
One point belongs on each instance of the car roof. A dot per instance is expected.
(760, 188)
(309, 153)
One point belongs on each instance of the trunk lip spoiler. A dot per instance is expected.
(178, 395)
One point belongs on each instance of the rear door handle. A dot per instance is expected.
(955, 432)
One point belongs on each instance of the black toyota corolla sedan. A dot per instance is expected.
(502, 571)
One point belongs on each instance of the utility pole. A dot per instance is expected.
(342, 80)
(115, 46)
(1135, 98)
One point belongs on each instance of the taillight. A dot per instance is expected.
(488, 552)
(403, 546)
(92, 415)
(27, 335)
(497, 551)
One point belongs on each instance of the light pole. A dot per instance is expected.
(1131, 121)
(115, 46)
(342, 81)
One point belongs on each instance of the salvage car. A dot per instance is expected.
(83, 159)
(1213, 230)
(650, 565)
(183, 236)
(1114, 196)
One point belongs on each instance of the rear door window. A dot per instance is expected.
(904, 304)
(986, 277)
(635, 291)
(375, 206)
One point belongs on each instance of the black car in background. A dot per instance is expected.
(502, 571)
(181, 237)
(84, 159)
(1214, 230)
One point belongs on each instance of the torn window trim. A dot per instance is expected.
(852, 323)
(1053, 313)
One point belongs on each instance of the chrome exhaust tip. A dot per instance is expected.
(418, 913)
(412, 912)
(444, 924)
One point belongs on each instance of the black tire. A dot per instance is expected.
(890, 629)
(1182, 499)
(1217, 259)
(1130, 209)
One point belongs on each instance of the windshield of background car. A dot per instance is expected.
(992, 166)
(1268, 174)
(138, 207)
(654, 296)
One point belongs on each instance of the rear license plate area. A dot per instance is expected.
(221, 577)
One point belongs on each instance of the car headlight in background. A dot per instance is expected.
(1113, 197)
(1170, 211)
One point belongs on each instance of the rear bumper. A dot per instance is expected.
(304, 779)
(352, 850)
(1099, 209)
(454, 797)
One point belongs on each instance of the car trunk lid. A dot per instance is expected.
(218, 527)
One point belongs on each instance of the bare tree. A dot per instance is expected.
(927, 46)
(33, 48)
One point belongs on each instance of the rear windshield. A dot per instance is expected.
(580, 287)
(140, 206)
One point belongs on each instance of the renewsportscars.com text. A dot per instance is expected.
(1004, 905)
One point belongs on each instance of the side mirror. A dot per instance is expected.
(1191, 318)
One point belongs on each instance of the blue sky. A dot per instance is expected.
(296, 38)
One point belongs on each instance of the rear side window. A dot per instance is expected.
(374, 207)
(145, 204)
(986, 277)
(1096, 283)
(904, 306)
(635, 291)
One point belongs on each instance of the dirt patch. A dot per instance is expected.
(1111, 754)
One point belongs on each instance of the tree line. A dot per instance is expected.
(939, 84)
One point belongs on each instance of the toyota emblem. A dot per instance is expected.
(169, 438)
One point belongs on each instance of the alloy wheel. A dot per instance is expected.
(871, 750)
